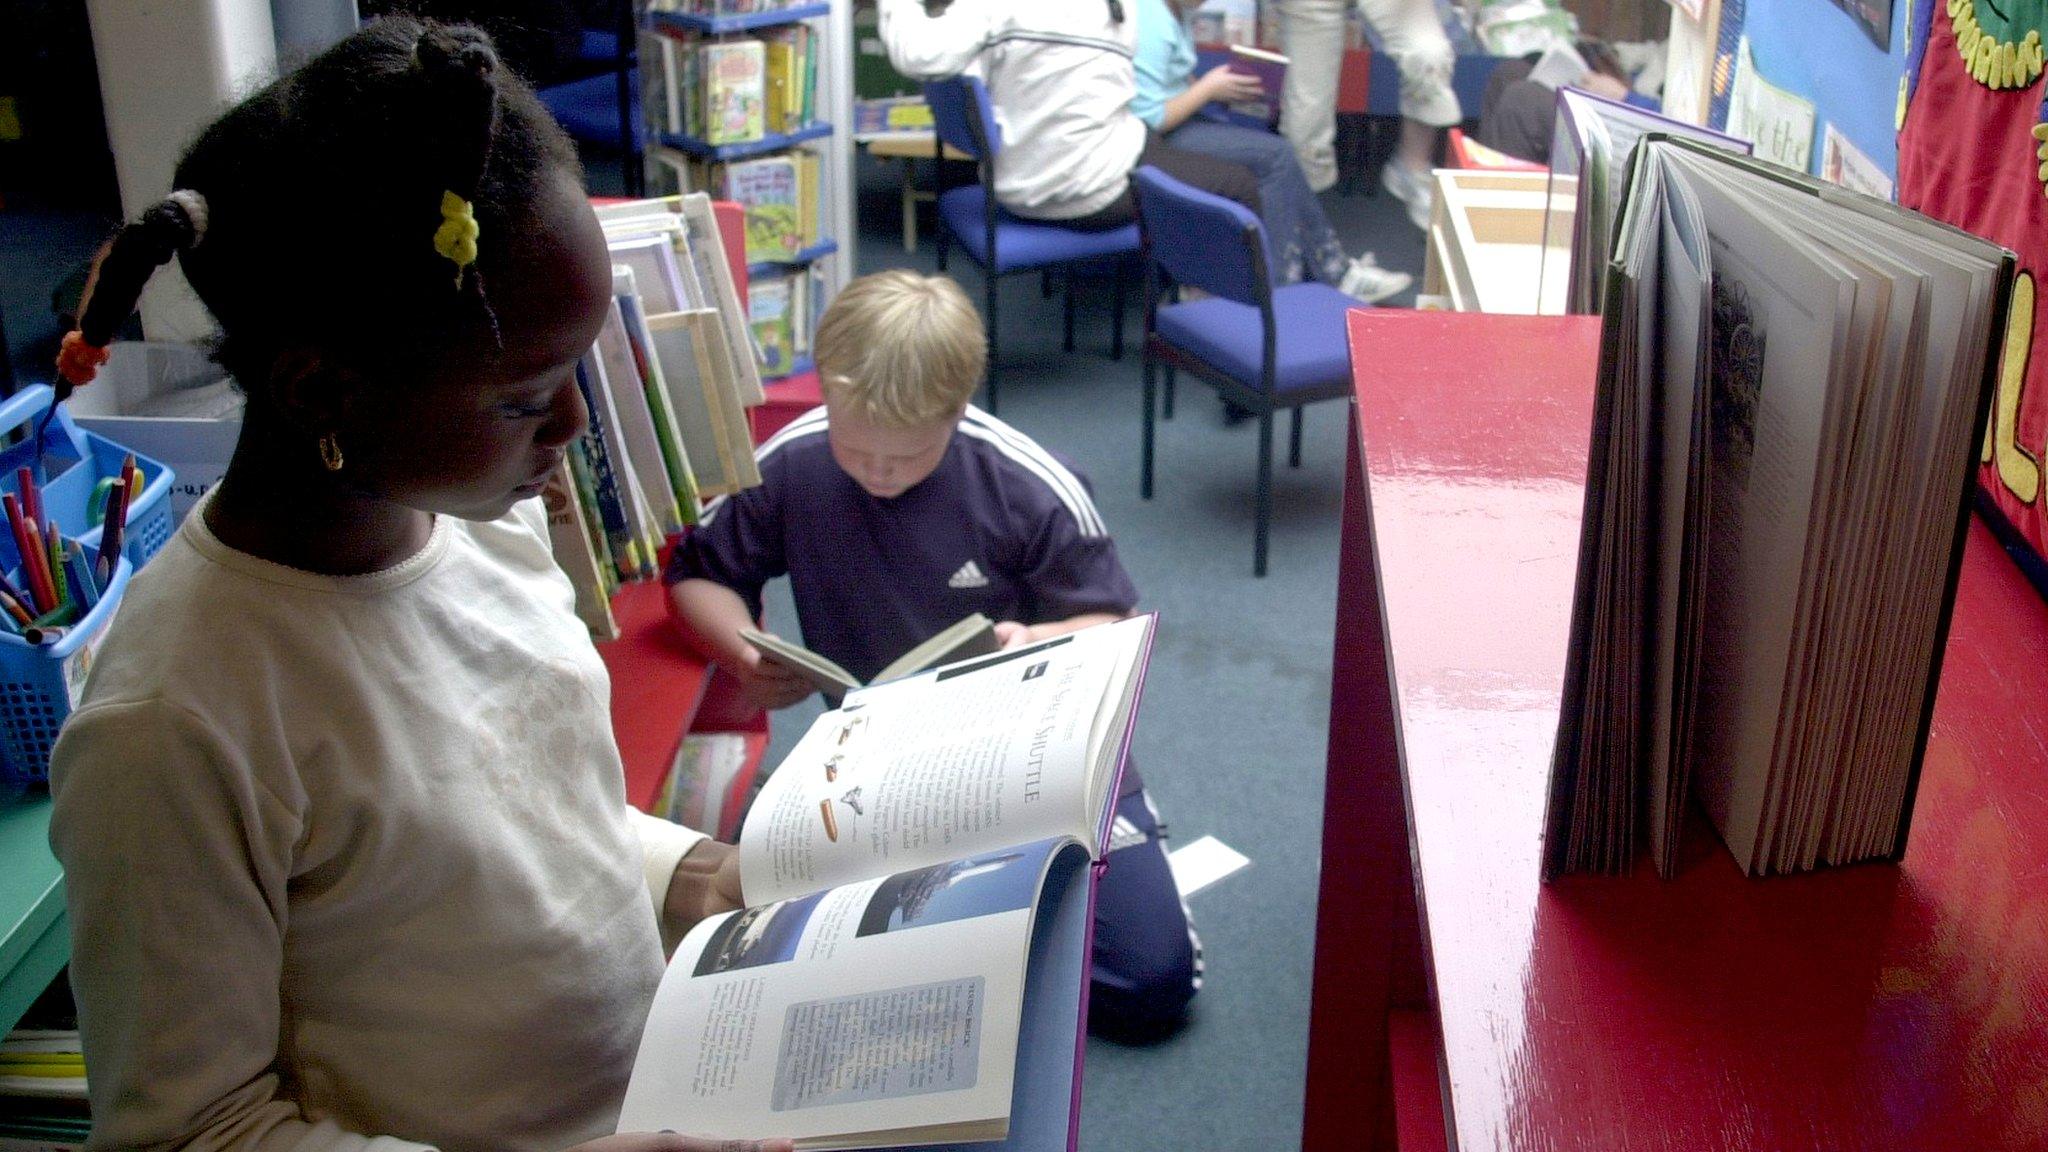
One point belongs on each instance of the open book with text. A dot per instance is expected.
(912, 966)
(973, 635)
(1792, 385)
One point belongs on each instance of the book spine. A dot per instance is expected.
(593, 521)
(682, 479)
(571, 546)
(610, 508)
(691, 90)
(809, 172)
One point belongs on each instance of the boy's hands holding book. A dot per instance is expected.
(765, 683)
(706, 883)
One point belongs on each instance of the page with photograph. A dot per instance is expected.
(910, 1009)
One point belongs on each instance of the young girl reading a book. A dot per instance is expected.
(1173, 101)
(349, 859)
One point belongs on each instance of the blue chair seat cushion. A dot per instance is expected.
(1025, 243)
(1308, 331)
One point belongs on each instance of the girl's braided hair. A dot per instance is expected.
(358, 205)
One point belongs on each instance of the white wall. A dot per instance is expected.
(167, 68)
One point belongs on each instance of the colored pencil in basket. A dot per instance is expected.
(14, 601)
(54, 541)
(31, 496)
(132, 473)
(19, 527)
(33, 561)
(84, 588)
(110, 533)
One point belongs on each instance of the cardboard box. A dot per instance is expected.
(145, 376)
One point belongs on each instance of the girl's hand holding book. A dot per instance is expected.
(670, 1142)
(706, 883)
(1221, 83)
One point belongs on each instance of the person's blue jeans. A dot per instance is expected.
(1300, 244)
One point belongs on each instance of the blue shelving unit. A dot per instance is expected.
(814, 252)
(747, 22)
(822, 137)
(766, 144)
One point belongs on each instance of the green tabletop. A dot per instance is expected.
(35, 939)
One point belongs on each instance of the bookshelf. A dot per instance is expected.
(1873, 1007)
(828, 136)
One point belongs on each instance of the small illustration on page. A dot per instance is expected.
(830, 817)
(956, 890)
(756, 936)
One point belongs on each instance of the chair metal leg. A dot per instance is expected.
(1145, 455)
(1294, 441)
(1264, 512)
(1068, 318)
(1116, 315)
(1169, 391)
(988, 280)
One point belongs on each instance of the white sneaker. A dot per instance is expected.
(1410, 187)
(1369, 282)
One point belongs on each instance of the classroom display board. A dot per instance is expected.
(1971, 146)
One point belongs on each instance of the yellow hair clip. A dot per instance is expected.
(456, 237)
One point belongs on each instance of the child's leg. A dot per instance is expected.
(1300, 244)
(1148, 962)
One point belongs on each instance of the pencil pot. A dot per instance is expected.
(71, 467)
(40, 683)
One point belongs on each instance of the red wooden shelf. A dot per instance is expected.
(1874, 1007)
(657, 685)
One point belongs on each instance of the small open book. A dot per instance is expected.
(913, 964)
(1271, 69)
(970, 637)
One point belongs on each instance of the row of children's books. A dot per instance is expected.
(784, 196)
(667, 384)
(730, 91)
(784, 310)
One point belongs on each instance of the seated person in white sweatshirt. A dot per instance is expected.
(1061, 78)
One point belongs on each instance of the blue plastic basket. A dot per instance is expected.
(69, 464)
(39, 684)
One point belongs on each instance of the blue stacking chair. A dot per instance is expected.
(1000, 242)
(1264, 348)
(604, 108)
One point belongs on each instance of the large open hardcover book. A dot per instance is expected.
(1792, 387)
(912, 968)
(1589, 155)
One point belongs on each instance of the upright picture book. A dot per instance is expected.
(1792, 388)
